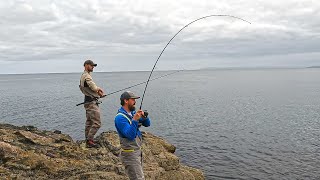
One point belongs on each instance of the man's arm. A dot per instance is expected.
(145, 122)
(91, 84)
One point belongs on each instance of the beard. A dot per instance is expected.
(132, 108)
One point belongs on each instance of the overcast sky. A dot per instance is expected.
(44, 36)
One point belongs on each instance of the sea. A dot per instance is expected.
(230, 123)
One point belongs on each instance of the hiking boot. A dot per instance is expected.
(91, 144)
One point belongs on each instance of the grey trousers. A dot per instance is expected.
(132, 162)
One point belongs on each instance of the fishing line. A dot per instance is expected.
(168, 74)
(174, 37)
(144, 82)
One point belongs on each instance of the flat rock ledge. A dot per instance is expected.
(28, 153)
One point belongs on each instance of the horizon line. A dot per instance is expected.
(205, 68)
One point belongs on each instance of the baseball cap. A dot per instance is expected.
(128, 95)
(89, 62)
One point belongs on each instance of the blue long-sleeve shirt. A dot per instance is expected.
(127, 130)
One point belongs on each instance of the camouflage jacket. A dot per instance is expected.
(88, 87)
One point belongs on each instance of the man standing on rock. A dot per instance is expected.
(127, 123)
(91, 95)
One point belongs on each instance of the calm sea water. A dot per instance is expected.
(232, 124)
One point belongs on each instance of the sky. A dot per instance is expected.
(57, 36)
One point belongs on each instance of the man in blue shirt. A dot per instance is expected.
(127, 122)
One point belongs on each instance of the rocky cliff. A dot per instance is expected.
(29, 153)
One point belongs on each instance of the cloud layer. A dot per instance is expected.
(57, 36)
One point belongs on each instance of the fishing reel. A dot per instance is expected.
(145, 114)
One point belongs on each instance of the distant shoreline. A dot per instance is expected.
(254, 68)
(313, 67)
(209, 68)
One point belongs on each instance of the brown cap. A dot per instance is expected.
(128, 95)
(89, 62)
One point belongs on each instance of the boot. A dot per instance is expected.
(91, 144)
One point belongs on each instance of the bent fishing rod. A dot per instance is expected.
(132, 86)
(204, 17)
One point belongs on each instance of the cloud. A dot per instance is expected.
(121, 32)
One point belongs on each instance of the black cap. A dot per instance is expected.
(128, 95)
(89, 62)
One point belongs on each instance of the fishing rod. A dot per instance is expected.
(132, 86)
(219, 15)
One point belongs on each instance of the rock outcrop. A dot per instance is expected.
(29, 153)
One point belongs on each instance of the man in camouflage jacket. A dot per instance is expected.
(92, 93)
